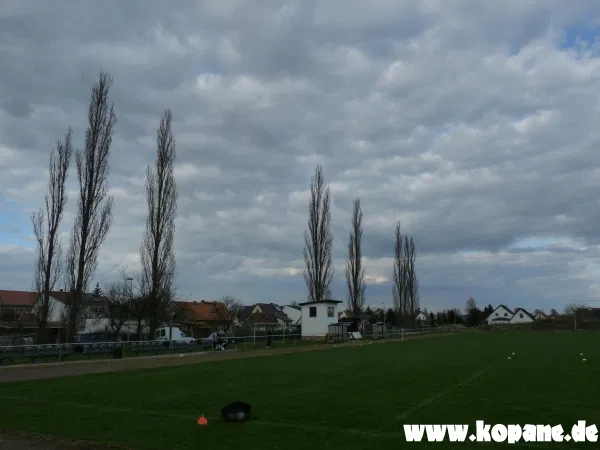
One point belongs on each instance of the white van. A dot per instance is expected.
(174, 333)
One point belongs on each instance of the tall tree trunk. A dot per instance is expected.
(94, 207)
(354, 270)
(157, 253)
(318, 240)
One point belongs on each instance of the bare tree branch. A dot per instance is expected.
(355, 273)
(233, 307)
(318, 240)
(157, 254)
(116, 306)
(46, 225)
(94, 206)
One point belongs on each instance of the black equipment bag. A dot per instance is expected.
(237, 412)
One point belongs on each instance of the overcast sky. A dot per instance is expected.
(475, 123)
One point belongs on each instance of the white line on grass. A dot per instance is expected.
(430, 400)
(190, 418)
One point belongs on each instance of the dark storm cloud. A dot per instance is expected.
(469, 123)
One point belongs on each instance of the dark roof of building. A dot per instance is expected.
(327, 300)
(262, 319)
(202, 311)
(505, 307)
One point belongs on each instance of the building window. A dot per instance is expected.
(496, 314)
(521, 315)
(312, 311)
(505, 314)
(330, 311)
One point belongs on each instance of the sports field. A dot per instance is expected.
(353, 397)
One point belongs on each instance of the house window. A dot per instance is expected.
(312, 311)
(521, 315)
(505, 314)
(330, 311)
(496, 314)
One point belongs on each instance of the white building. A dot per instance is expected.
(504, 315)
(421, 318)
(317, 316)
(294, 313)
(521, 316)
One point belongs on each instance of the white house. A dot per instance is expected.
(59, 302)
(521, 316)
(294, 313)
(317, 316)
(502, 314)
(421, 317)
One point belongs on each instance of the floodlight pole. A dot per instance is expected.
(574, 320)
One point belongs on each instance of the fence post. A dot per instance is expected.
(60, 353)
(402, 334)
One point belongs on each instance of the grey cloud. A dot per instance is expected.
(463, 121)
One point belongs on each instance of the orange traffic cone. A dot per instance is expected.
(202, 420)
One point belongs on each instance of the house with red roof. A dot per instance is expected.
(198, 318)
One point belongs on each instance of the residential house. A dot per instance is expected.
(294, 313)
(19, 310)
(201, 318)
(317, 316)
(92, 307)
(504, 315)
(541, 315)
(263, 316)
(362, 322)
(15, 303)
(262, 322)
(421, 319)
(521, 316)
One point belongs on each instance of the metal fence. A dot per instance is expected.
(32, 354)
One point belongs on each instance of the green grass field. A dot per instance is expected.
(355, 397)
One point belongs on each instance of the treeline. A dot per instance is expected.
(318, 257)
(446, 317)
(73, 269)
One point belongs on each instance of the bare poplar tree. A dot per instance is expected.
(157, 253)
(355, 272)
(46, 226)
(318, 240)
(406, 283)
(399, 274)
(412, 284)
(94, 207)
